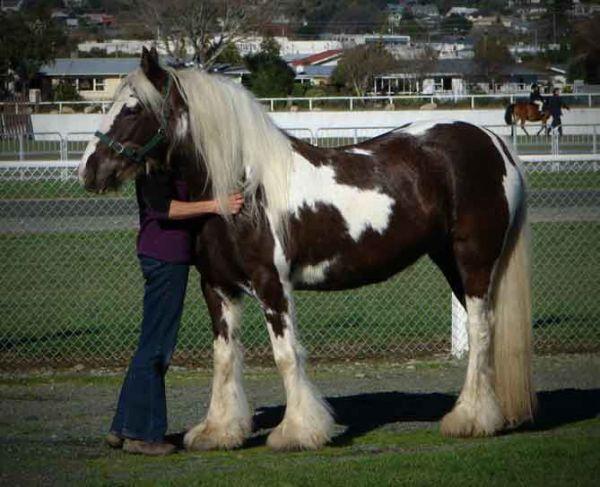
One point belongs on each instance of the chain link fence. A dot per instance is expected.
(71, 289)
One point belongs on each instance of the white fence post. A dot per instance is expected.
(460, 339)
(21, 148)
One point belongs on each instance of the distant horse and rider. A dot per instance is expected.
(537, 109)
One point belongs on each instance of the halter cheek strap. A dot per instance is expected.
(138, 156)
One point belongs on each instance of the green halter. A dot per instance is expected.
(139, 155)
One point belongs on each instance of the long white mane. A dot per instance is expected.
(234, 137)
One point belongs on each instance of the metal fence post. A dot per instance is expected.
(472, 102)
(351, 104)
(594, 139)
(590, 100)
(310, 104)
(459, 339)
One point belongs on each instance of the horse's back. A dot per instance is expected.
(363, 213)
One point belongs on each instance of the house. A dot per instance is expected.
(426, 10)
(99, 19)
(394, 13)
(390, 40)
(94, 79)
(317, 68)
(462, 11)
(325, 58)
(453, 47)
(458, 77)
(314, 75)
(11, 5)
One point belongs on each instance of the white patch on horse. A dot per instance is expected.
(126, 98)
(477, 409)
(420, 128)
(307, 422)
(512, 180)
(362, 152)
(360, 208)
(228, 421)
(312, 274)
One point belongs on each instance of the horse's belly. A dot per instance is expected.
(377, 259)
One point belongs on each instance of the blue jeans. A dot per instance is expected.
(142, 408)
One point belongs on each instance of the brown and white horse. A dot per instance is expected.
(524, 111)
(330, 219)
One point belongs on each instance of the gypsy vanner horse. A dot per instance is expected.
(331, 219)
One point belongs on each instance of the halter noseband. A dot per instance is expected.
(139, 155)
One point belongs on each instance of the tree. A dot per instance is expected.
(360, 65)
(270, 76)
(491, 52)
(358, 17)
(557, 18)
(586, 49)
(27, 41)
(230, 55)
(456, 24)
(202, 29)
(421, 64)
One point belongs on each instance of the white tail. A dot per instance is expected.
(513, 340)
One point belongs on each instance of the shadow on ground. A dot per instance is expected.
(363, 413)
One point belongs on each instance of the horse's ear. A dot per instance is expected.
(151, 67)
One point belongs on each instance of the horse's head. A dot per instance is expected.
(135, 134)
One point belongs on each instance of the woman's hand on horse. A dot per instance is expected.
(234, 205)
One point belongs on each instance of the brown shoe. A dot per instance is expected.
(148, 448)
(113, 440)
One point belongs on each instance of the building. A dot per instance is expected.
(459, 77)
(95, 79)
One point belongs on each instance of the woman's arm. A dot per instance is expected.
(181, 210)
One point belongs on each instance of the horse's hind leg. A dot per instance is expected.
(307, 422)
(228, 421)
(477, 411)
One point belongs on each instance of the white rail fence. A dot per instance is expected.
(576, 139)
(351, 103)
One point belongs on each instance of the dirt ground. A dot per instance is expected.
(52, 422)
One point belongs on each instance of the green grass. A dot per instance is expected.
(78, 296)
(54, 189)
(565, 456)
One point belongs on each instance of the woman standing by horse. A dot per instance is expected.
(164, 248)
(331, 219)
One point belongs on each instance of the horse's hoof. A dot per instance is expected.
(471, 420)
(206, 437)
(288, 437)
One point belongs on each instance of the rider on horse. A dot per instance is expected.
(536, 98)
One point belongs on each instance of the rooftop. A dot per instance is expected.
(90, 67)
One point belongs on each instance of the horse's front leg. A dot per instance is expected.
(524, 129)
(307, 423)
(542, 129)
(228, 421)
